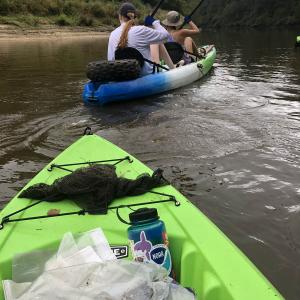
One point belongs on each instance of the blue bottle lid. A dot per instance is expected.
(143, 214)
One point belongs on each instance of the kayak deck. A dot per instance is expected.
(203, 257)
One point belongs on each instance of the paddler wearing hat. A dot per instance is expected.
(182, 36)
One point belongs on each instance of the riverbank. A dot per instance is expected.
(51, 31)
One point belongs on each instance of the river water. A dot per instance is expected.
(229, 142)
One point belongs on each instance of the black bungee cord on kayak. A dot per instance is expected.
(40, 191)
(88, 131)
(62, 166)
(83, 212)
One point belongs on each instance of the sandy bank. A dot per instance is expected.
(50, 31)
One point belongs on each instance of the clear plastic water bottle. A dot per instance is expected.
(148, 238)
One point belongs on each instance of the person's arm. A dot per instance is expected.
(156, 35)
(158, 27)
(110, 49)
(190, 32)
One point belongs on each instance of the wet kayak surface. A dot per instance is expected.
(230, 142)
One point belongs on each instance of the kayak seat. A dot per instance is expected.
(175, 51)
(132, 53)
(129, 53)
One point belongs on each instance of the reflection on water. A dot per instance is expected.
(230, 142)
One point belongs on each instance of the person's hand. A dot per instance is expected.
(187, 19)
(149, 21)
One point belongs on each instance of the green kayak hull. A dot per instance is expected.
(204, 258)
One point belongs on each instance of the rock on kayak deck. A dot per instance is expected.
(96, 93)
(204, 259)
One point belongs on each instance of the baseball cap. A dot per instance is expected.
(126, 8)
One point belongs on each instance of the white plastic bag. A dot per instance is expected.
(85, 268)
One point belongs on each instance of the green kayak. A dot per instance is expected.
(204, 259)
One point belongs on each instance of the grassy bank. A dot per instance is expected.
(77, 12)
(94, 13)
(62, 12)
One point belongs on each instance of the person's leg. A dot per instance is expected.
(154, 50)
(163, 54)
(190, 45)
(209, 48)
(159, 51)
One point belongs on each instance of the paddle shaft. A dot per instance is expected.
(193, 11)
(156, 8)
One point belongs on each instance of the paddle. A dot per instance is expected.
(193, 11)
(156, 8)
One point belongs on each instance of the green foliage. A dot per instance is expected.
(63, 20)
(86, 20)
(4, 7)
(55, 7)
(10, 21)
(72, 8)
(98, 10)
(248, 13)
(167, 4)
(95, 12)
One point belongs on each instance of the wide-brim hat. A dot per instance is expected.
(173, 18)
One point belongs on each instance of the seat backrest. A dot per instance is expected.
(175, 51)
(129, 53)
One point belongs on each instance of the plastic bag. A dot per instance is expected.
(91, 246)
(85, 268)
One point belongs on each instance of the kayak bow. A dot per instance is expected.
(204, 258)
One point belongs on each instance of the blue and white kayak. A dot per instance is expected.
(96, 93)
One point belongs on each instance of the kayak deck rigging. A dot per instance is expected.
(61, 166)
(6, 219)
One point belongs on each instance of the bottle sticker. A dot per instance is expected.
(144, 251)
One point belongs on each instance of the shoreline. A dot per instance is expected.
(11, 32)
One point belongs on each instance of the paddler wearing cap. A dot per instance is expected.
(128, 34)
(182, 36)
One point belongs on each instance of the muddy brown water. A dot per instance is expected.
(230, 142)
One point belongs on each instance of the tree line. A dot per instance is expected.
(212, 13)
(223, 13)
